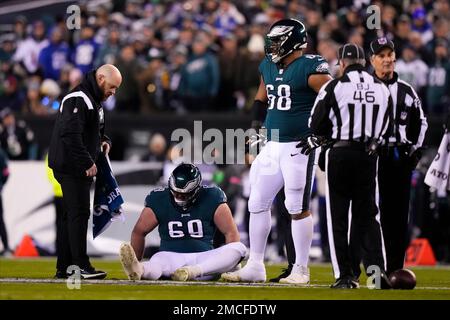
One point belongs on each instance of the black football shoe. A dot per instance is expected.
(345, 283)
(61, 274)
(285, 273)
(91, 274)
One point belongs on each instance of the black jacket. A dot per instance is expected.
(78, 130)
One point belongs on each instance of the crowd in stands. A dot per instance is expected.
(191, 55)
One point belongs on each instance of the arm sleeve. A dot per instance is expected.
(319, 121)
(74, 115)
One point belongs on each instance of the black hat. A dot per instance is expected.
(378, 44)
(351, 51)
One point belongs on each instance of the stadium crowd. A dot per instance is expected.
(192, 55)
(189, 56)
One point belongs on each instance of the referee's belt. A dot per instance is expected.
(349, 143)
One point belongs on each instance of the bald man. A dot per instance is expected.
(78, 137)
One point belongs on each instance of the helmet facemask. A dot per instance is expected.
(274, 48)
(184, 185)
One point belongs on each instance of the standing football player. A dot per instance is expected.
(290, 81)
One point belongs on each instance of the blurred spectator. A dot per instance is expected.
(55, 56)
(127, 98)
(156, 149)
(85, 50)
(7, 46)
(229, 66)
(177, 59)
(332, 29)
(401, 34)
(28, 50)
(421, 25)
(412, 69)
(20, 27)
(227, 17)
(438, 93)
(200, 78)
(16, 138)
(441, 29)
(442, 9)
(10, 94)
(33, 103)
(109, 50)
(416, 43)
(154, 83)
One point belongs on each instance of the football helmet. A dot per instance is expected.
(184, 184)
(283, 38)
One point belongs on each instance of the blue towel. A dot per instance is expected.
(107, 197)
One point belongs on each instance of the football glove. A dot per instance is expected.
(310, 143)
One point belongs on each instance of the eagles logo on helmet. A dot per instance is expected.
(184, 184)
(284, 37)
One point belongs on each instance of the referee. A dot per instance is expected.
(399, 154)
(353, 111)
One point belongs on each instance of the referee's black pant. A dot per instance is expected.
(351, 179)
(72, 231)
(394, 176)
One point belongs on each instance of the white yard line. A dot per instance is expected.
(188, 283)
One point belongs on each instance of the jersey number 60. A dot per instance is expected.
(195, 229)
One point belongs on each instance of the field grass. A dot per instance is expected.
(432, 284)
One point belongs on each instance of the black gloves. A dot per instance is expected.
(309, 143)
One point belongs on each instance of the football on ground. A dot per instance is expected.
(403, 279)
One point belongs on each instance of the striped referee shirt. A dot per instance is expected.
(354, 107)
(410, 124)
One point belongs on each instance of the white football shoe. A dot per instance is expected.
(252, 272)
(299, 276)
(131, 265)
(186, 273)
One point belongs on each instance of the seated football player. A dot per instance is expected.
(187, 214)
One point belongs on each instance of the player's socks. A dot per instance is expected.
(302, 233)
(259, 230)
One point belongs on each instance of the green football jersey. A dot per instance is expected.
(290, 97)
(190, 230)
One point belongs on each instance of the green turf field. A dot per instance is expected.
(432, 283)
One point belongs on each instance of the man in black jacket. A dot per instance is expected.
(77, 139)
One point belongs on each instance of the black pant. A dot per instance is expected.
(72, 228)
(3, 233)
(351, 179)
(59, 210)
(394, 176)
